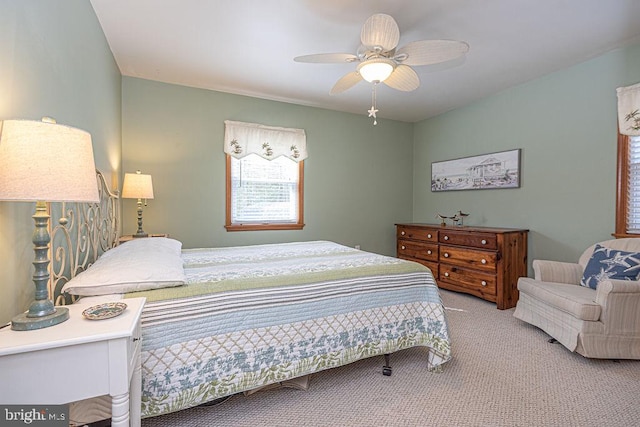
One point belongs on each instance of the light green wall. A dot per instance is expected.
(565, 124)
(55, 62)
(360, 179)
(357, 176)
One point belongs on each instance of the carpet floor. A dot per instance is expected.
(503, 373)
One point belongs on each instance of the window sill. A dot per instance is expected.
(257, 227)
(625, 235)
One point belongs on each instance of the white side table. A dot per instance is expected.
(75, 360)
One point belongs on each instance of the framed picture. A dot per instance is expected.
(494, 170)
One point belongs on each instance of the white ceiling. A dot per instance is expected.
(247, 46)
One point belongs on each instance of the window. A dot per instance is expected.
(628, 194)
(264, 194)
(265, 177)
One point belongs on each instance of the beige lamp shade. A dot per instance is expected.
(45, 161)
(137, 186)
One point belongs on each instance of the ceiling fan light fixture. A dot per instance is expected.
(376, 70)
(380, 60)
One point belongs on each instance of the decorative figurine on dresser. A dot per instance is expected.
(481, 261)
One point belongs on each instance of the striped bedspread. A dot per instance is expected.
(256, 315)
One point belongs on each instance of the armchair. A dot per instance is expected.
(601, 323)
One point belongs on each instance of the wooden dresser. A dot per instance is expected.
(481, 261)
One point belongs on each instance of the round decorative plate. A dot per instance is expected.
(104, 311)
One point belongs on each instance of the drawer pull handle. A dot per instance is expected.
(484, 261)
(402, 233)
(428, 252)
(484, 242)
(446, 274)
(403, 247)
(483, 283)
(446, 255)
(428, 236)
(136, 339)
(446, 237)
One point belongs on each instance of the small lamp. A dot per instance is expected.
(138, 186)
(44, 162)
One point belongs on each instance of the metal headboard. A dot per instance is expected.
(80, 233)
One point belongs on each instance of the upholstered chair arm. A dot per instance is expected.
(620, 301)
(556, 271)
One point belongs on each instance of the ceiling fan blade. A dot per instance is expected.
(426, 52)
(327, 58)
(403, 78)
(346, 82)
(380, 30)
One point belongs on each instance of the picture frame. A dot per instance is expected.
(483, 172)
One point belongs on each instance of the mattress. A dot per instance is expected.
(257, 315)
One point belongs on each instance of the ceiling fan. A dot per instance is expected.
(380, 62)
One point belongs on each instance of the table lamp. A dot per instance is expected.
(42, 161)
(138, 186)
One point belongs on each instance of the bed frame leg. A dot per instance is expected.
(386, 369)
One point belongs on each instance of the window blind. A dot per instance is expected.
(633, 191)
(264, 191)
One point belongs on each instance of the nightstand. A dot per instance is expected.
(128, 237)
(76, 360)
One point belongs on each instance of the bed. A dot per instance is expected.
(220, 321)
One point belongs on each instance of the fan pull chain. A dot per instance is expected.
(373, 110)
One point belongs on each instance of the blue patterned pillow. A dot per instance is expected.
(607, 264)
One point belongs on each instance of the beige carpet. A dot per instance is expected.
(503, 373)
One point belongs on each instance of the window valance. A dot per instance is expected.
(242, 139)
(629, 110)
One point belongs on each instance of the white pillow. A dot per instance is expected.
(162, 244)
(137, 265)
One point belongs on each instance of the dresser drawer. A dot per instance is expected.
(474, 240)
(472, 258)
(424, 234)
(470, 279)
(433, 266)
(425, 251)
